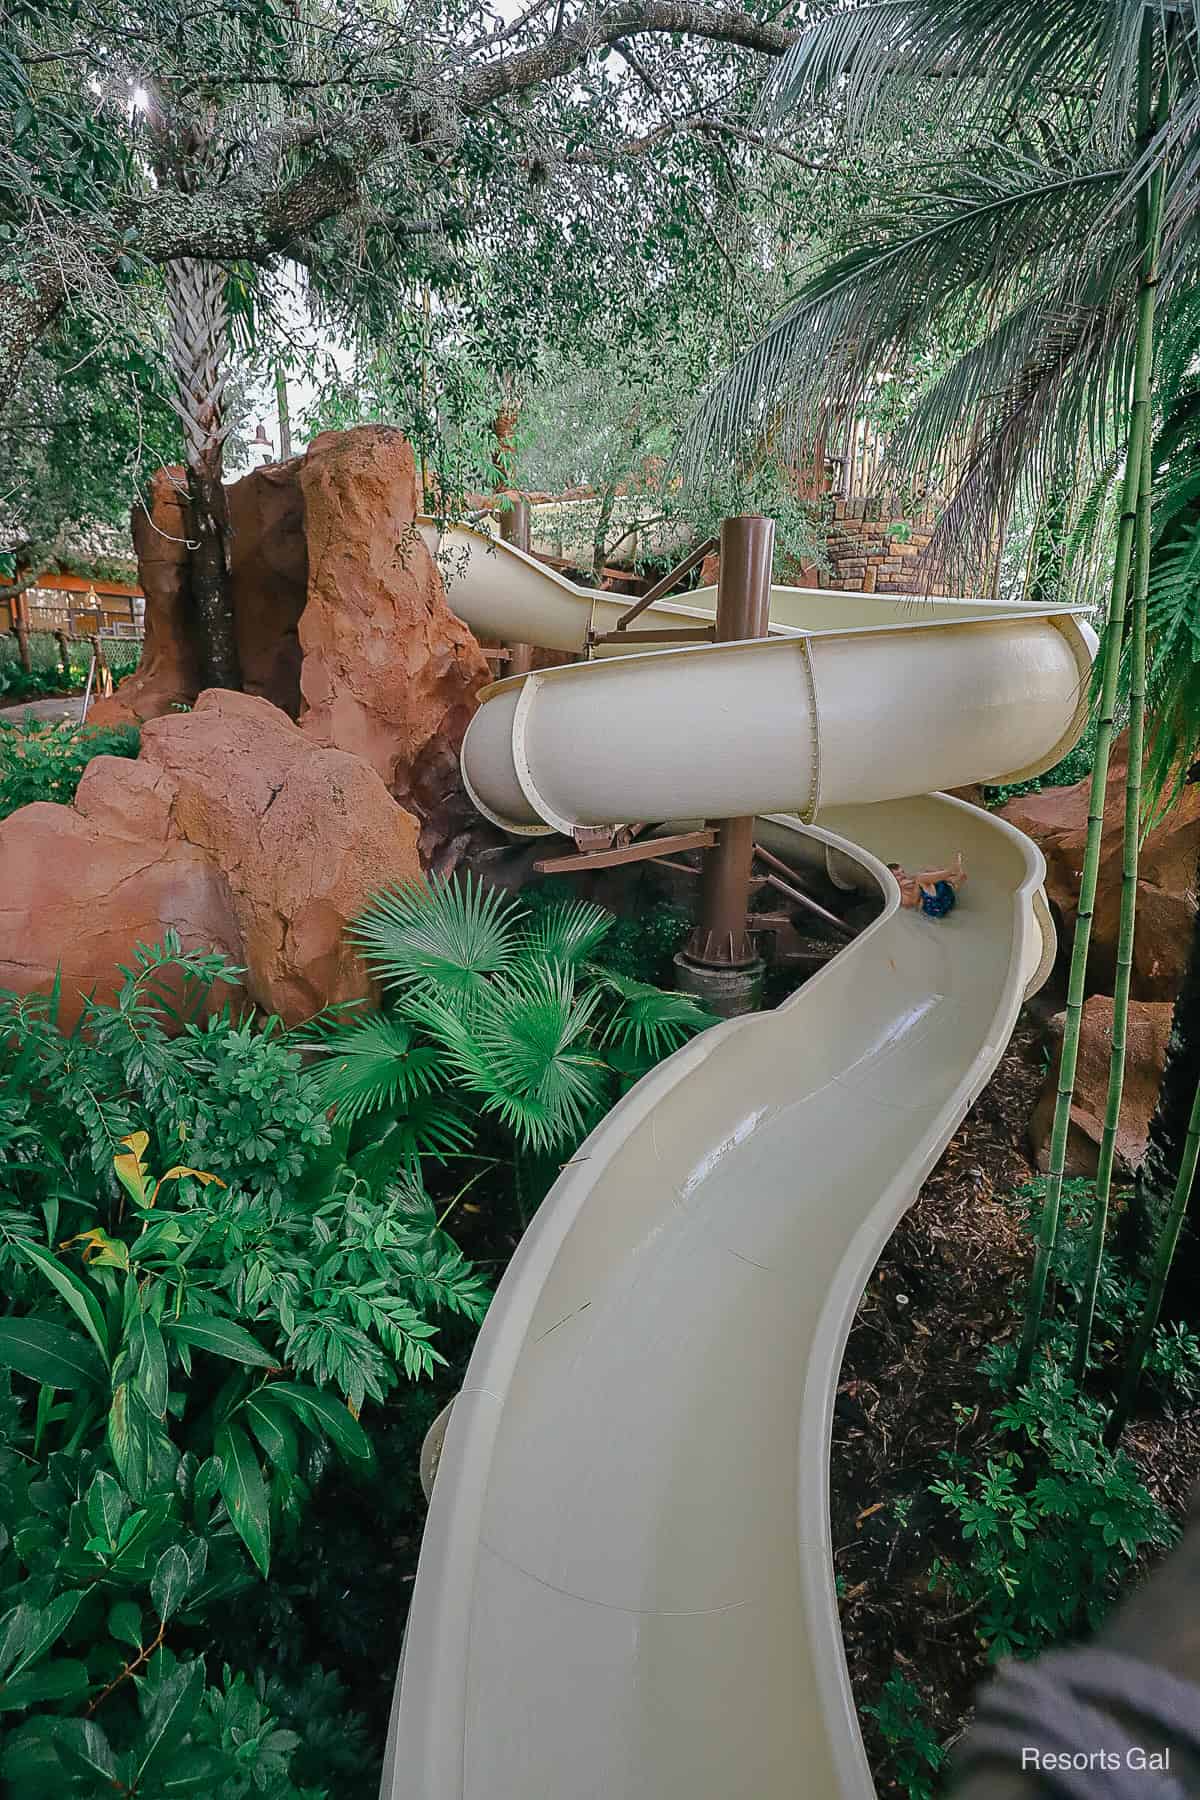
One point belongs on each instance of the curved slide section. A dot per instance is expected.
(626, 1582)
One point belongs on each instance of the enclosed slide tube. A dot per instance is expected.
(626, 1587)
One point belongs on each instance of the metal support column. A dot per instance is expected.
(719, 963)
(514, 529)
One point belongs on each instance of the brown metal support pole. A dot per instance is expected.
(720, 939)
(515, 530)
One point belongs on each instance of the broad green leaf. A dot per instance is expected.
(150, 1358)
(125, 1623)
(208, 1479)
(333, 1416)
(275, 1433)
(49, 1681)
(173, 1706)
(84, 1748)
(16, 1632)
(77, 1294)
(49, 1353)
(107, 1505)
(169, 1582)
(139, 1535)
(48, 1623)
(244, 1492)
(129, 1438)
(221, 1337)
(195, 1771)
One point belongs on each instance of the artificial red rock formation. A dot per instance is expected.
(269, 579)
(232, 828)
(340, 614)
(389, 672)
(168, 674)
(1056, 819)
(1149, 1027)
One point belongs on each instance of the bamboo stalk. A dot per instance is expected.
(1139, 425)
(1150, 215)
(1125, 934)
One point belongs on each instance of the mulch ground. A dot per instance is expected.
(939, 1298)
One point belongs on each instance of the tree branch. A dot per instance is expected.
(243, 222)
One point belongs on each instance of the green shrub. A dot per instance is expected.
(498, 1014)
(1052, 1521)
(914, 1754)
(46, 762)
(183, 1350)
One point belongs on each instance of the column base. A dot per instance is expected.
(727, 992)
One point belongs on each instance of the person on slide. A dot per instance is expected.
(933, 891)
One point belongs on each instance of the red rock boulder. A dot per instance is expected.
(1149, 1027)
(232, 828)
(1056, 820)
(389, 671)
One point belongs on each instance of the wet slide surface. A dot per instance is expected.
(626, 1585)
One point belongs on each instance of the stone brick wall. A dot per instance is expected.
(873, 547)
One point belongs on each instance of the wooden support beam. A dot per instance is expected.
(647, 851)
(668, 634)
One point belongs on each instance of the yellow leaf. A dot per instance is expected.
(179, 1171)
(99, 1248)
(129, 1169)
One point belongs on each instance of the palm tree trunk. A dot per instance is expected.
(1139, 426)
(198, 340)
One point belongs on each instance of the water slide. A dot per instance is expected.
(626, 1586)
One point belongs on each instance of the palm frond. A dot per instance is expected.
(980, 58)
(373, 1063)
(651, 1021)
(524, 1052)
(987, 237)
(450, 933)
(430, 1126)
(567, 933)
(1173, 681)
(1061, 386)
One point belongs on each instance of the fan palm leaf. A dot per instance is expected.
(374, 1062)
(429, 1126)
(524, 1052)
(448, 933)
(565, 933)
(649, 1021)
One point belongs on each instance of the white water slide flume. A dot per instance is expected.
(625, 1589)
